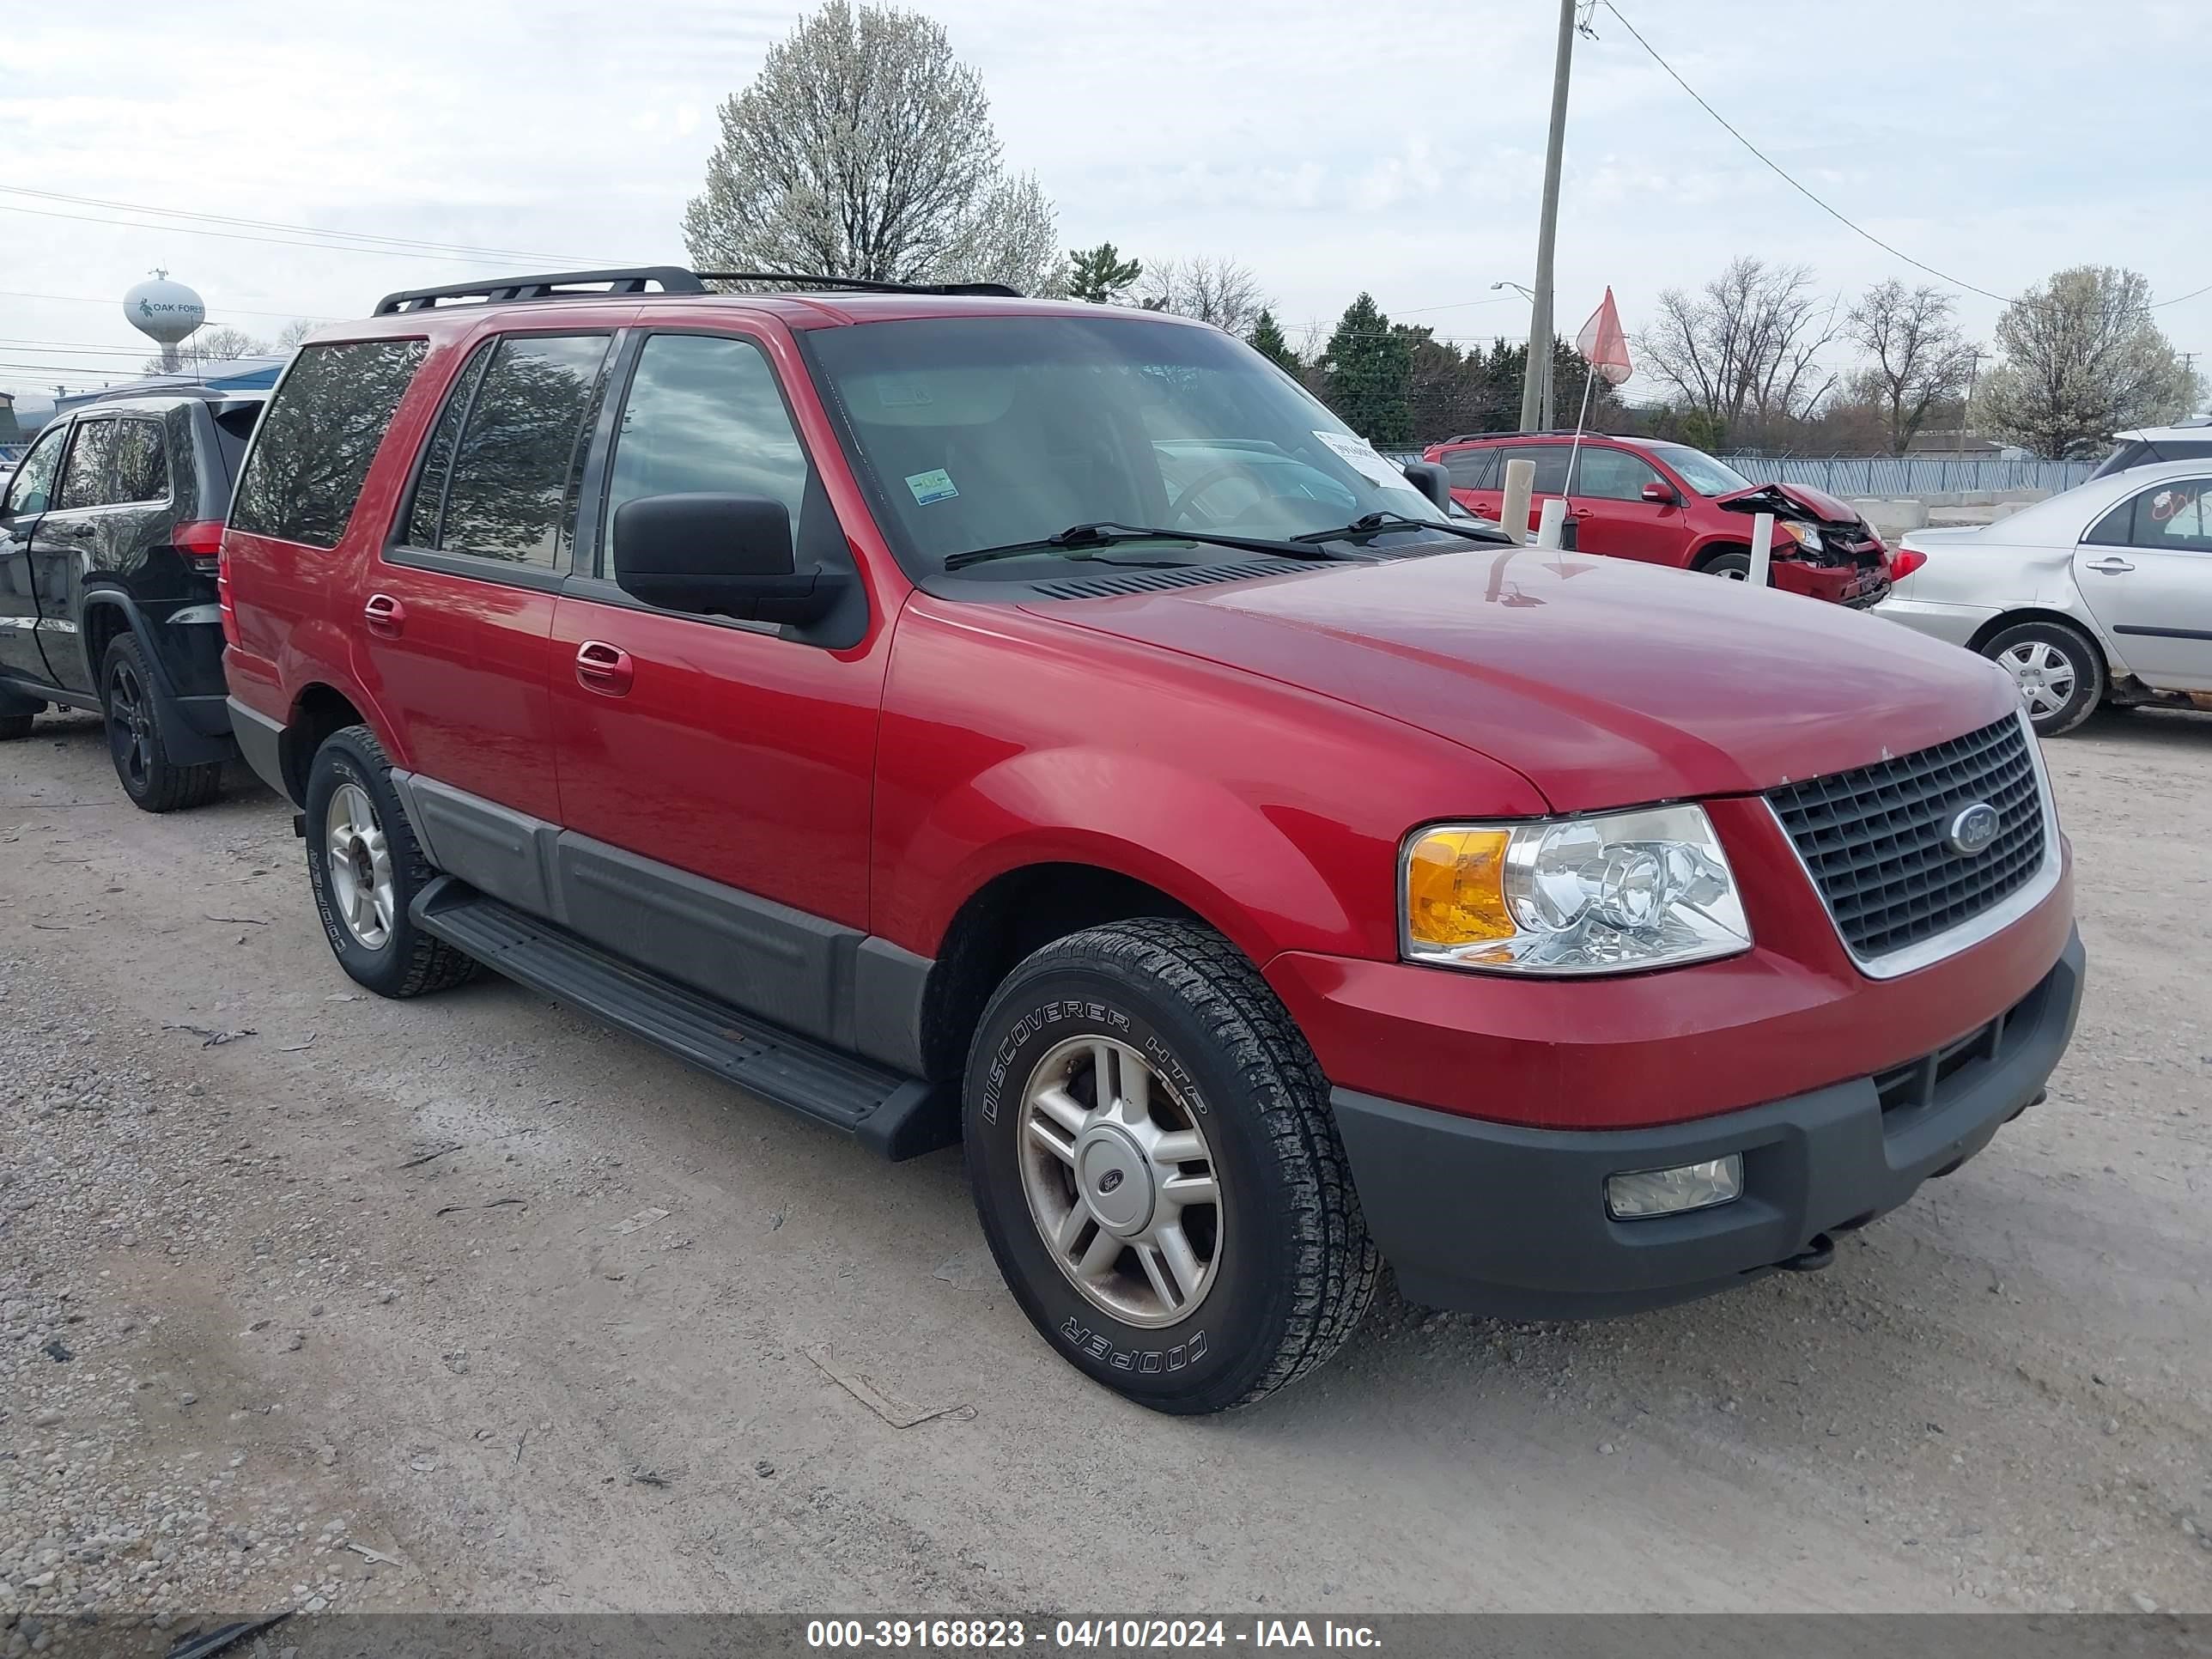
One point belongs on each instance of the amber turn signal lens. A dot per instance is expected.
(1456, 888)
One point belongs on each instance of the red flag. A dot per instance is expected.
(1603, 344)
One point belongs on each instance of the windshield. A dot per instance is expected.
(995, 431)
(1700, 470)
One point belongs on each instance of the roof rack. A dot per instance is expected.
(669, 279)
(859, 284)
(559, 285)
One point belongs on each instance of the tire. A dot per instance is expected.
(371, 933)
(2059, 670)
(15, 725)
(1733, 567)
(136, 743)
(1274, 1273)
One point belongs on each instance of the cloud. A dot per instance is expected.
(1330, 152)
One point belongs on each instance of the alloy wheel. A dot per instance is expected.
(130, 726)
(360, 866)
(1121, 1180)
(2045, 676)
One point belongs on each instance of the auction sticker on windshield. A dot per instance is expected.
(935, 485)
(1362, 458)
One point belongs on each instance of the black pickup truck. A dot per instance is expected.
(110, 531)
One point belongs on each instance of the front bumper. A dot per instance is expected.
(1859, 587)
(1494, 1218)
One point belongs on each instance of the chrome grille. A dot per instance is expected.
(1876, 840)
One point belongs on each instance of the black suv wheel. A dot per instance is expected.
(1150, 1150)
(136, 743)
(15, 725)
(366, 867)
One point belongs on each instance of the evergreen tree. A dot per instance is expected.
(1267, 340)
(1100, 274)
(1369, 369)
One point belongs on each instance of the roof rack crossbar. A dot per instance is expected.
(557, 285)
(858, 284)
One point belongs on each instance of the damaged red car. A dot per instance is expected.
(1667, 503)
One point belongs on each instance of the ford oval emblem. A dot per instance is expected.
(1974, 828)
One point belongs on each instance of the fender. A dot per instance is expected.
(185, 733)
(1209, 849)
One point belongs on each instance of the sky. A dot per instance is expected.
(1329, 147)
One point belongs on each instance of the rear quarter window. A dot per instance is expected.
(312, 450)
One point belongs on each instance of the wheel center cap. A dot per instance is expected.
(1115, 1181)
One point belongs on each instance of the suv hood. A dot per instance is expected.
(1787, 501)
(1603, 682)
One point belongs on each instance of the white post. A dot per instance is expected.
(1762, 547)
(1555, 516)
(1519, 483)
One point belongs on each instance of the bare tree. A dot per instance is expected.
(1919, 357)
(1748, 344)
(1222, 292)
(209, 345)
(293, 332)
(2083, 359)
(865, 149)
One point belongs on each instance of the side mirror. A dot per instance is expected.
(1431, 481)
(716, 554)
(1662, 494)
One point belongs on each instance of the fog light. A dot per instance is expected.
(1671, 1192)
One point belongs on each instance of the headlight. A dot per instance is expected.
(1610, 894)
(1808, 537)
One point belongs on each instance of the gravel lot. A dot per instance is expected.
(311, 1300)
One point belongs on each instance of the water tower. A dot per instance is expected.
(164, 312)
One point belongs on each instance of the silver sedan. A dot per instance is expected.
(2104, 592)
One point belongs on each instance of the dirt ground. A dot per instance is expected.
(470, 1304)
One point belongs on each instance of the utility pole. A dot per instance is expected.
(1536, 381)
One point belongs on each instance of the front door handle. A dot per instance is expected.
(383, 614)
(604, 668)
(76, 532)
(2111, 567)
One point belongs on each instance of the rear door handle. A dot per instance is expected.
(604, 668)
(383, 614)
(76, 532)
(2111, 567)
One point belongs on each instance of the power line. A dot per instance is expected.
(86, 299)
(1855, 228)
(409, 242)
(242, 236)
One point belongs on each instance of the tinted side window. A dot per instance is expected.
(429, 498)
(1612, 475)
(2175, 517)
(142, 462)
(31, 490)
(1471, 469)
(511, 496)
(312, 450)
(2112, 530)
(1551, 461)
(89, 476)
(704, 414)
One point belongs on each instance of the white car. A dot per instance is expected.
(2102, 593)
(2185, 440)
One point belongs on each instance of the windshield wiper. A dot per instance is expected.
(1078, 537)
(1374, 524)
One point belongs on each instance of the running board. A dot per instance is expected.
(896, 1116)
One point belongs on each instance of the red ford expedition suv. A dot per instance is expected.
(1667, 503)
(952, 715)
